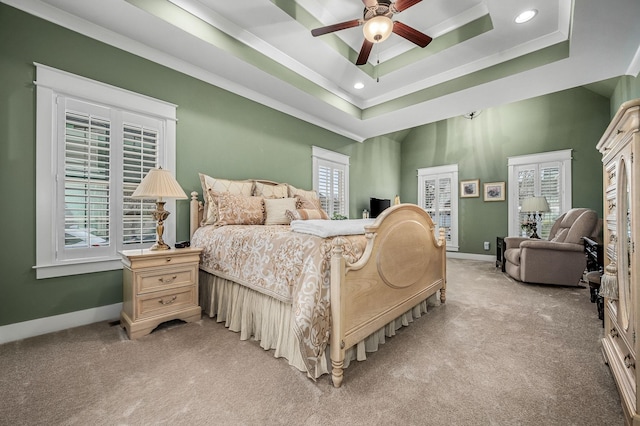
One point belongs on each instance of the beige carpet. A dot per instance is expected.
(499, 352)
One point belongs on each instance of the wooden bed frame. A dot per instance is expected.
(403, 265)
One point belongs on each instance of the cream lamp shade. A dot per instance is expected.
(159, 184)
(534, 205)
(378, 28)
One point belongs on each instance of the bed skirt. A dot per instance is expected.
(269, 321)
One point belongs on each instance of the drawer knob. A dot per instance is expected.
(167, 280)
(613, 332)
(628, 363)
(168, 302)
(168, 259)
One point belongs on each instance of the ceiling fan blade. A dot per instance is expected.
(411, 34)
(364, 52)
(335, 27)
(370, 3)
(401, 5)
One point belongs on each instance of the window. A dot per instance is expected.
(547, 174)
(438, 195)
(94, 145)
(331, 180)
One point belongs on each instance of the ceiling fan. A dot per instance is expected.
(378, 25)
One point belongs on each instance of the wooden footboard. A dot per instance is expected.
(403, 264)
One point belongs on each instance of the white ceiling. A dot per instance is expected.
(278, 63)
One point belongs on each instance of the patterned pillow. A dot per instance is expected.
(270, 191)
(239, 210)
(238, 187)
(306, 214)
(310, 204)
(276, 210)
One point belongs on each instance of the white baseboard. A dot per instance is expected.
(36, 327)
(472, 256)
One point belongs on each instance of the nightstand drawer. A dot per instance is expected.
(159, 303)
(143, 259)
(170, 278)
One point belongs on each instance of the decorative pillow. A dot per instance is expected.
(307, 203)
(239, 210)
(310, 195)
(270, 191)
(306, 214)
(238, 187)
(276, 210)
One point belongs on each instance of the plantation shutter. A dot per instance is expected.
(438, 196)
(140, 154)
(526, 188)
(87, 135)
(331, 187)
(541, 180)
(550, 188)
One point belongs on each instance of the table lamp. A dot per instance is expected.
(534, 206)
(159, 184)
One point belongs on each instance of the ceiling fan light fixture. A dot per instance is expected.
(526, 16)
(378, 28)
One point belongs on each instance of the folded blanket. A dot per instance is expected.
(331, 228)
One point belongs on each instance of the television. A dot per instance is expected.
(377, 206)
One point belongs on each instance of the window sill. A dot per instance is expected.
(77, 268)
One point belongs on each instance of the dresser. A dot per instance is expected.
(158, 286)
(619, 146)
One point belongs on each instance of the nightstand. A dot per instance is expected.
(158, 286)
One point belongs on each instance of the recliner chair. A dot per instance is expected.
(559, 260)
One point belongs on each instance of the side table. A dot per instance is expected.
(158, 286)
(500, 253)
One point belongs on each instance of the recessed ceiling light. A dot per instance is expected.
(358, 85)
(526, 16)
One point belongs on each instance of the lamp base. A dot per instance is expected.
(160, 214)
(160, 245)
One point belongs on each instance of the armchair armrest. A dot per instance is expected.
(513, 242)
(551, 245)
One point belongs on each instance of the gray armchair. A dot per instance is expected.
(559, 260)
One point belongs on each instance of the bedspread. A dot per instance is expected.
(289, 266)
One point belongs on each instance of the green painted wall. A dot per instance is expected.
(218, 133)
(628, 88)
(573, 119)
(225, 135)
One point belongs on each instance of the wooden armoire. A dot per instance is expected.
(620, 146)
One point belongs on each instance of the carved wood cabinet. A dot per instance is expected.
(619, 147)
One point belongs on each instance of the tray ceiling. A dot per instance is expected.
(263, 50)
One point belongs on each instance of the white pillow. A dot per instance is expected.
(275, 210)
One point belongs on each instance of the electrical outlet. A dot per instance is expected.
(486, 245)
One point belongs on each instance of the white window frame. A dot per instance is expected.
(448, 171)
(50, 84)
(335, 160)
(564, 157)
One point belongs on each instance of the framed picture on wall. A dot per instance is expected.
(494, 191)
(469, 188)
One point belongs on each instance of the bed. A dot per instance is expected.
(306, 292)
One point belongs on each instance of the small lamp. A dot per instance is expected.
(159, 184)
(378, 28)
(534, 206)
